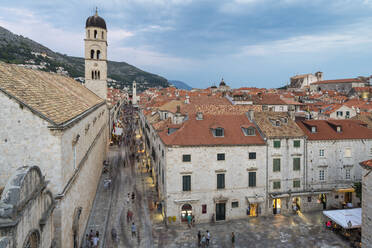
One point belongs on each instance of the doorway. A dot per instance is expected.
(276, 206)
(220, 211)
(348, 197)
(253, 209)
(323, 200)
(186, 210)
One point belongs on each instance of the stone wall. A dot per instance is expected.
(203, 169)
(25, 139)
(81, 171)
(367, 210)
(25, 209)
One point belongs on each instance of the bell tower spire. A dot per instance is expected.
(96, 55)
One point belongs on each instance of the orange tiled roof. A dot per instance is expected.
(346, 80)
(57, 98)
(326, 129)
(198, 132)
(367, 164)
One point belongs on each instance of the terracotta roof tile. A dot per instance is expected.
(326, 129)
(198, 132)
(367, 164)
(56, 97)
(347, 80)
(266, 122)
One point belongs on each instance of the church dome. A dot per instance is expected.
(222, 83)
(95, 21)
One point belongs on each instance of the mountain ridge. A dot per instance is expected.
(180, 85)
(17, 49)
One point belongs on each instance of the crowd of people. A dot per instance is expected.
(91, 240)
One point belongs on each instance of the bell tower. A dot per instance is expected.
(96, 55)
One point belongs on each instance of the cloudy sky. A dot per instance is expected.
(247, 42)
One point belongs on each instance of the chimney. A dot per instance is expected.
(199, 116)
(251, 115)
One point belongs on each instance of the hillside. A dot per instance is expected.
(17, 49)
(180, 85)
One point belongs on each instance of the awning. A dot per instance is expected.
(347, 190)
(347, 218)
(274, 196)
(254, 199)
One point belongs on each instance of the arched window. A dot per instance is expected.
(92, 74)
(99, 76)
(95, 34)
(103, 35)
(92, 54)
(88, 34)
(98, 53)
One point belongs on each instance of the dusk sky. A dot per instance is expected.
(259, 43)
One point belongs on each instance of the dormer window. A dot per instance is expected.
(218, 132)
(250, 131)
(277, 123)
(313, 129)
(338, 129)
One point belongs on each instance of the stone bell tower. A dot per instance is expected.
(96, 55)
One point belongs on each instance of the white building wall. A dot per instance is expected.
(203, 169)
(335, 163)
(344, 110)
(286, 175)
(25, 139)
(367, 209)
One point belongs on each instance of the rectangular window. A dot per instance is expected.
(276, 164)
(276, 185)
(218, 132)
(296, 164)
(220, 156)
(186, 183)
(186, 158)
(251, 131)
(339, 113)
(347, 116)
(321, 153)
(235, 204)
(252, 179)
(220, 181)
(276, 143)
(252, 155)
(204, 208)
(321, 175)
(347, 152)
(347, 176)
(296, 143)
(296, 183)
(309, 199)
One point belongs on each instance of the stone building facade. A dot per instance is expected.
(334, 150)
(366, 204)
(63, 128)
(26, 208)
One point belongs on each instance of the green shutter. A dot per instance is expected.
(296, 184)
(252, 179)
(220, 181)
(296, 163)
(276, 143)
(186, 181)
(276, 164)
(296, 143)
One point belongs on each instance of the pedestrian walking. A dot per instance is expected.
(189, 220)
(208, 237)
(91, 235)
(203, 241)
(233, 239)
(86, 242)
(193, 220)
(133, 196)
(96, 240)
(199, 238)
(133, 230)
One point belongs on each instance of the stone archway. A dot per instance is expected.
(186, 210)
